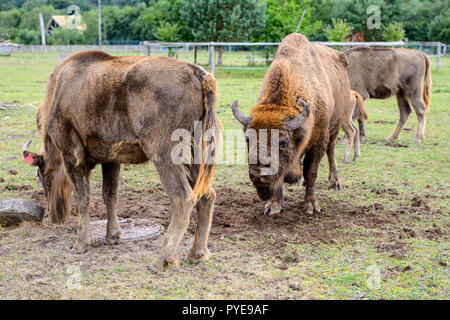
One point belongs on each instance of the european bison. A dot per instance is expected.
(303, 98)
(107, 110)
(382, 73)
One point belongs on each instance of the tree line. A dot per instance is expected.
(130, 21)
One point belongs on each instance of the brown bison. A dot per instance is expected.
(302, 99)
(109, 110)
(382, 73)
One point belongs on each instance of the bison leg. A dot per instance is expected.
(356, 143)
(274, 206)
(310, 167)
(205, 207)
(177, 187)
(362, 130)
(80, 181)
(333, 176)
(405, 110)
(350, 130)
(111, 180)
(420, 108)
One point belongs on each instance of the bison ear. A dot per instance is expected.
(30, 157)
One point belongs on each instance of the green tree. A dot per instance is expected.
(65, 37)
(339, 32)
(164, 11)
(283, 17)
(168, 32)
(439, 29)
(394, 32)
(26, 36)
(223, 20)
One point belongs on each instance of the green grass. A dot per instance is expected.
(287, 262)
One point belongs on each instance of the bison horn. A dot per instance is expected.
(242, 118)
(26, 145)
(298, 121)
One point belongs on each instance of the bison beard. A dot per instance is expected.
(264, 193)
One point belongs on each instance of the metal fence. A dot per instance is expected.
(224, 55)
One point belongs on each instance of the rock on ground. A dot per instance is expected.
(15, 211)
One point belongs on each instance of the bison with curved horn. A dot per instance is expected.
(109, 110)
(301, 107)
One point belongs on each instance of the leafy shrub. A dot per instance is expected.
(394, 32)
(27, 36)
(339, 32)
(65, 37)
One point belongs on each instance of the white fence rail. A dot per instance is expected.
(436, 49)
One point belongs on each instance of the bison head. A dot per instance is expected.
(273, 134)
(53, 178)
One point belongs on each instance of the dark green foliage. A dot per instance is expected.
(229, 20)
(223, 20)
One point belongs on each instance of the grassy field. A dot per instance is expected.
(390, 222)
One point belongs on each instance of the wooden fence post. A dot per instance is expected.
(438, 56)
(195, 55)
(148, 49)
(212, 58)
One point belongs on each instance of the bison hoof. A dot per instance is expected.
(272, 208)
(336, 184)
(79, 247)
(114, 238)
(164, 264)
(312, 207)
(417, 140)
(199, 256)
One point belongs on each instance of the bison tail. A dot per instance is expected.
(210, 131)
(59, 205)
(427, 83)
(362, 108)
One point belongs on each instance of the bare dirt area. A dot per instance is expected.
(238, 211)
(256, 247)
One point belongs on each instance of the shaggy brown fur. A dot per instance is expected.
(107, 110)
(382, 73)
(317, 75)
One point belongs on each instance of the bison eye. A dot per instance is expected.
(284, 143)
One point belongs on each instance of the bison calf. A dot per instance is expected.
(355, 111)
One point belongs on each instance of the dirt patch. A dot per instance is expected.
(397, 249)
(238, 211)
(383, 122)
(434, 233)
(396, 145)
(17, 188)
